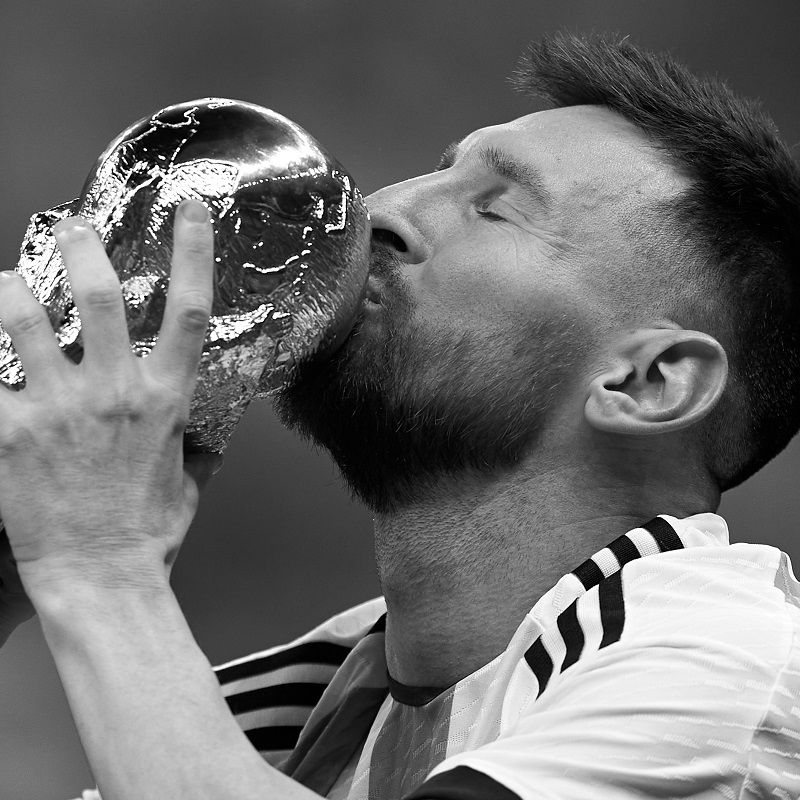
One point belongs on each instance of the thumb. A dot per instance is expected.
(202, 466)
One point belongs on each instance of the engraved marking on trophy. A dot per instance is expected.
(189, 119)
(106, 199)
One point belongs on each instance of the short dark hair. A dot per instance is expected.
(741, 216)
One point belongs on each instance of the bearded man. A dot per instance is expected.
(579, 330)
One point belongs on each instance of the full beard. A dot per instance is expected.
(404, 404)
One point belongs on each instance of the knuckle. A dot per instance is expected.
(122, 401)
(193, 313)
(25, 322)
(118, 408)
(15, 438)
(103, 296)
(165, 402)
(169, 408)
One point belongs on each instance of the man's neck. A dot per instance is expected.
(461, 570)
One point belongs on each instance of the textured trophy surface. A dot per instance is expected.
(291, 249)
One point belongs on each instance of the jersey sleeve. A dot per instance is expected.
(692, 714)
(313, 656)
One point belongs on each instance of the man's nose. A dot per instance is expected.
(396, 215)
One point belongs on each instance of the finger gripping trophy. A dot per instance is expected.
(291, 249)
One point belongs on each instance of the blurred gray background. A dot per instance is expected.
(277, 545)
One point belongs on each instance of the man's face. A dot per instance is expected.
(491, 278)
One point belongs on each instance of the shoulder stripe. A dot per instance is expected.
(664, 534)
(572, 634)
(462, 783)
(565, 642)
(588, 573)
(625, 549)
(306, 653)
(540, 662)
(561, 646)
(274, 694)
(612, 608)
(284, 694)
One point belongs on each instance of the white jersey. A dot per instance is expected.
(666, 665)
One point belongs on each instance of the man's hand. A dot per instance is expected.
(96, 503)
(15, 607)
(92, 488)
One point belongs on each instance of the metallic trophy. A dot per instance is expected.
(291, 249)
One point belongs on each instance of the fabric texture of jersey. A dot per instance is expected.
(666, 665)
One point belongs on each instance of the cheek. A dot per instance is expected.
(492, 289)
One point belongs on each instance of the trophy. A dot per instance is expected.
(291, 249)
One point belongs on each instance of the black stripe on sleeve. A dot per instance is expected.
(588, 573)
(664, 534)
(275, 737)
(540, 662)
(612, 608)
(284, 694)
(572, 634)
(462, 783)
(624, 549)
(307, 653)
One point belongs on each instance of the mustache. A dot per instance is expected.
(387, 267)
(384, 262)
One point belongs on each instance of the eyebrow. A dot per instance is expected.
(527, 177)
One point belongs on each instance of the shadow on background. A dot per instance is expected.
(277, 545)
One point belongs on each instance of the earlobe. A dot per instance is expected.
(660, 380)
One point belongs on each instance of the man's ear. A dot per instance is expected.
(657, 380)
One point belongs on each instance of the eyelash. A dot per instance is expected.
(490, 215)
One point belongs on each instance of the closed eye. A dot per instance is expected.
(486, 214)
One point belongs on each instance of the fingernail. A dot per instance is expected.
(194, 211)
(71, 225)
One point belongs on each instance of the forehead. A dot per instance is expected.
(585, 153)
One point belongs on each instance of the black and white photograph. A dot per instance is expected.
(398, 400)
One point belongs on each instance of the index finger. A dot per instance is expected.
(189, 298)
